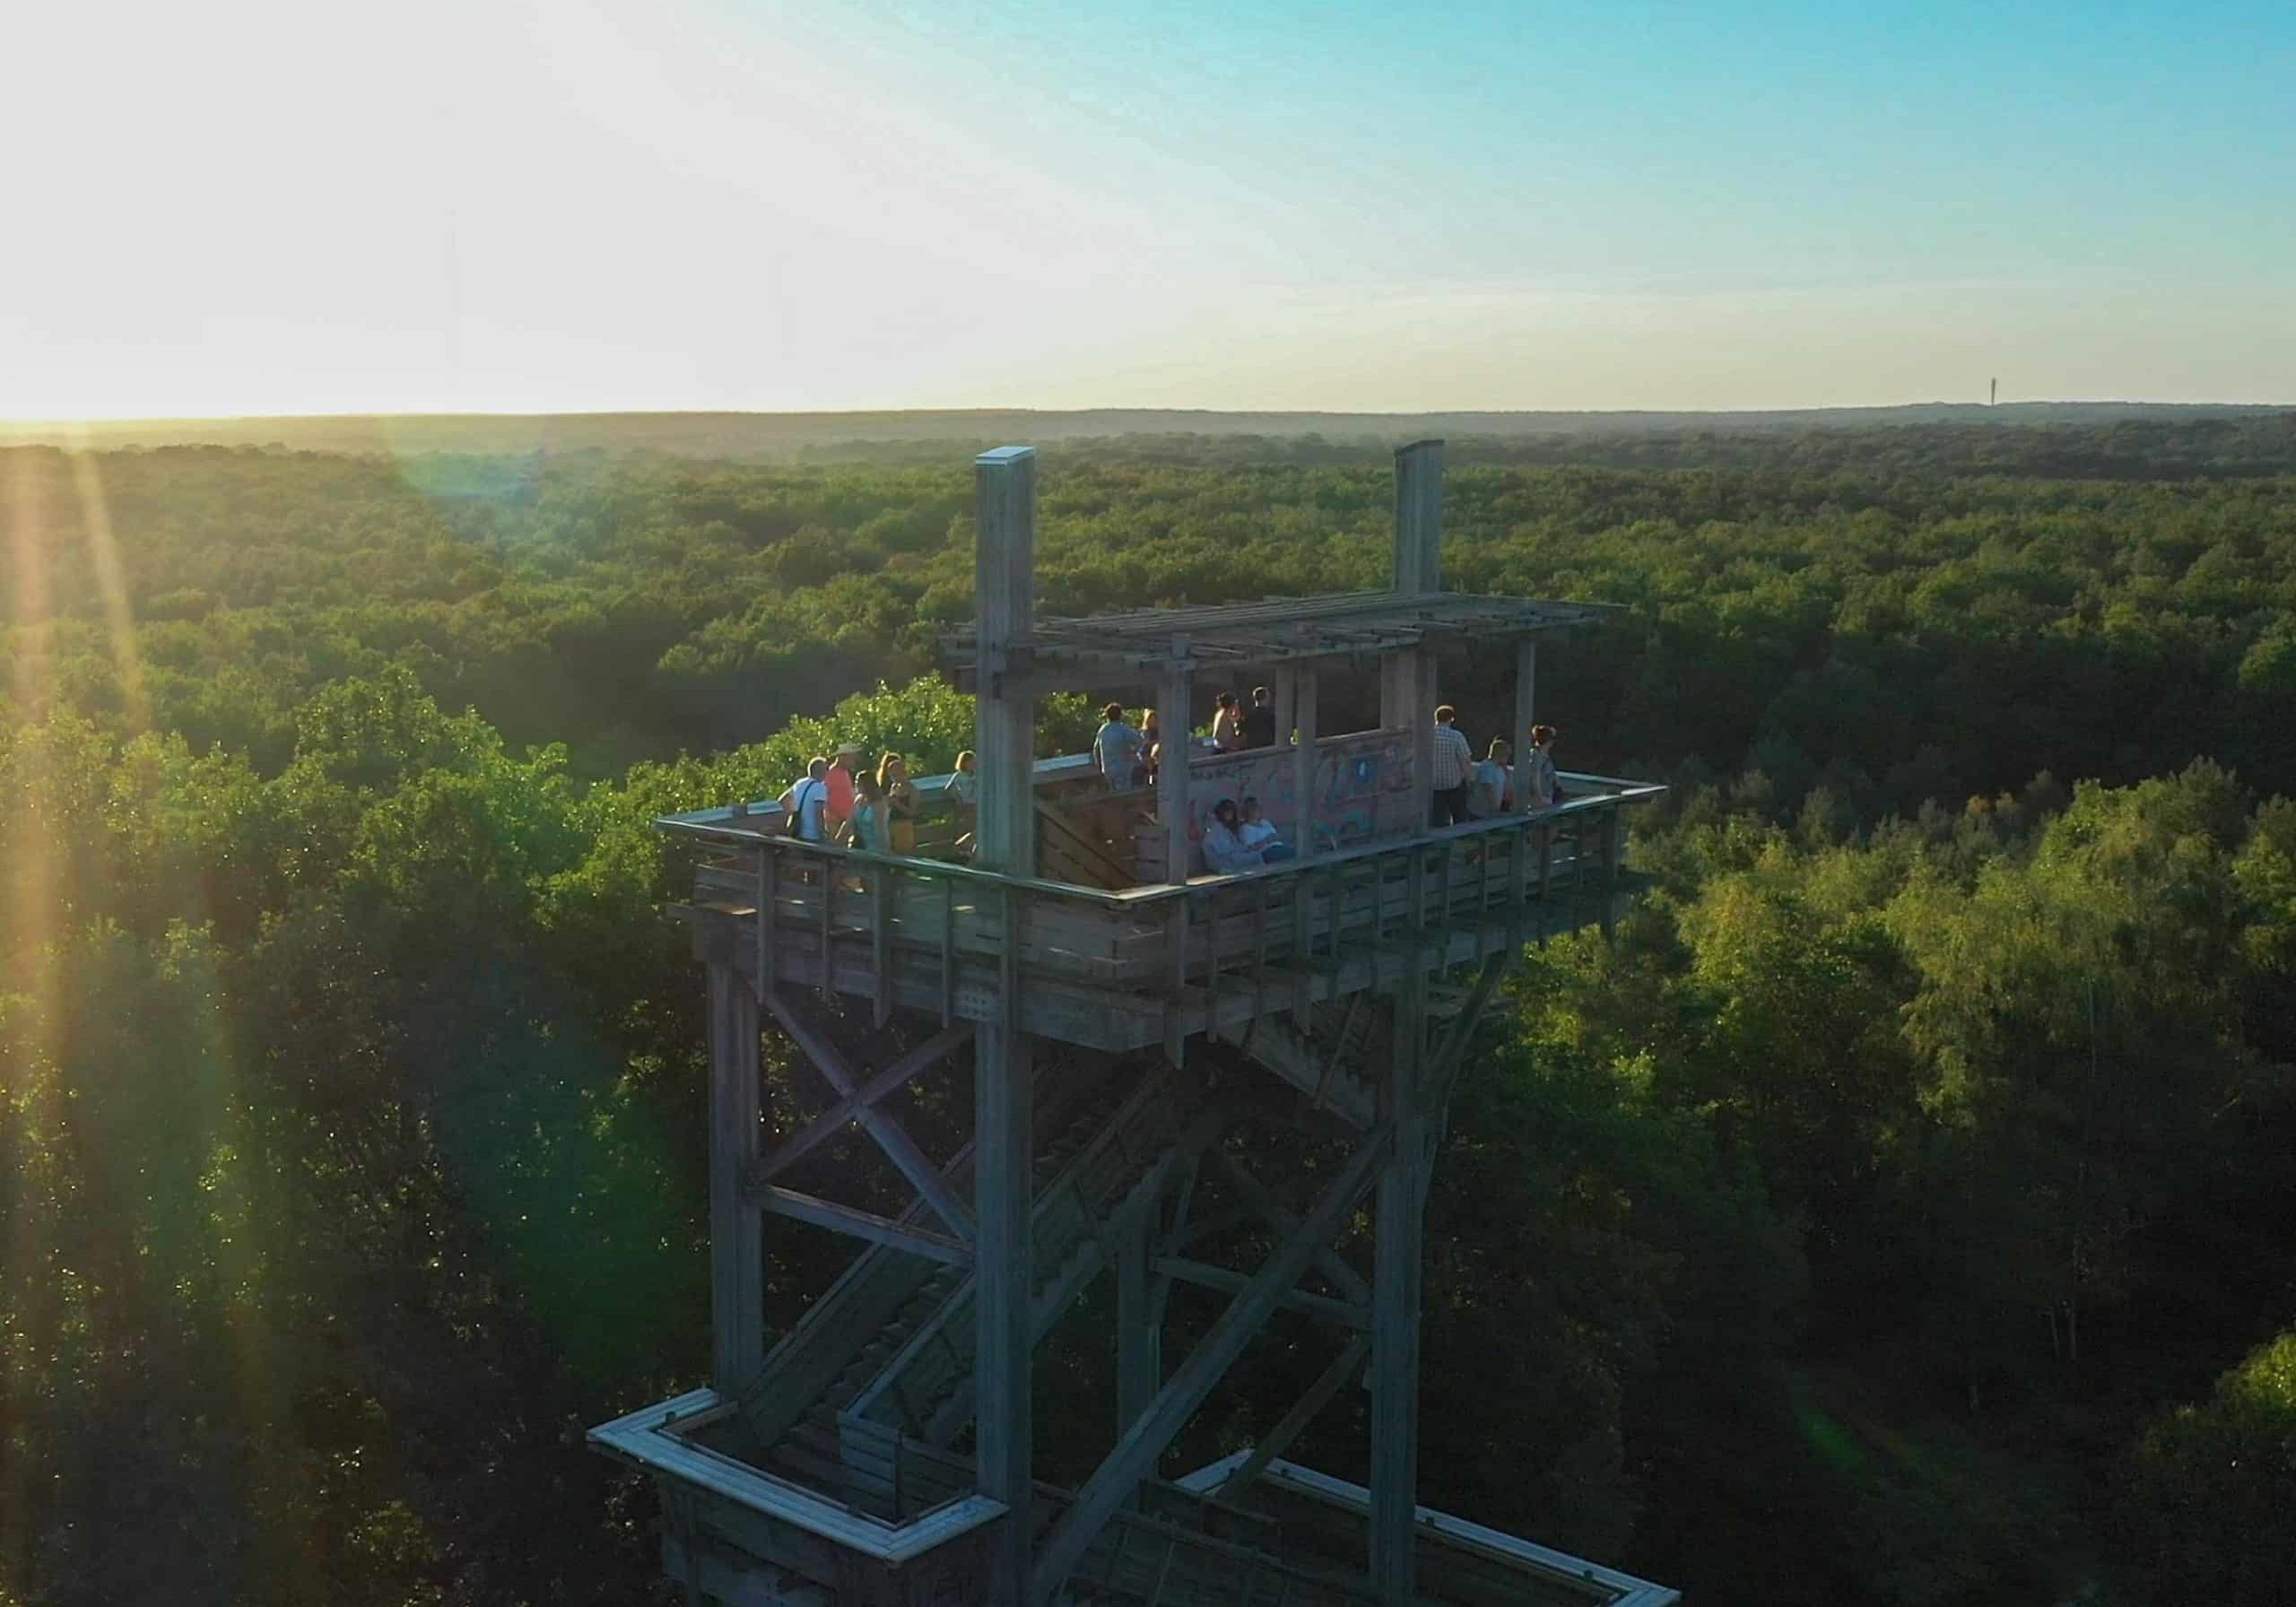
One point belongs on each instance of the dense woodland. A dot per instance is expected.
(1901, 1210)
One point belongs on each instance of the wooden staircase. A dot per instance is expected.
(882, 1366)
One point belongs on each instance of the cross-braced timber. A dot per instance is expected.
(1179, 1079)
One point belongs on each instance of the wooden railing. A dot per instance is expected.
(1121, 968)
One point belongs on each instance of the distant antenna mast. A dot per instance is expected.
(1992, 392)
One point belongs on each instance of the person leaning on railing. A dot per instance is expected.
(1116, 748)
(1537, 769)
(1453, 760)
(900, 803)
(1488, 795)
(869, 827)
(805, 806)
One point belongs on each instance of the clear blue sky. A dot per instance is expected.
(259, 205)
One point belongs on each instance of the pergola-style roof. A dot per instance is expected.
(1338, 625)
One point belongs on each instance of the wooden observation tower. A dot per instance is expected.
(1168, 1071)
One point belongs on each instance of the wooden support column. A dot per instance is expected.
(1407, 689)
(1139, 1337)
(1003, 1140)
(1397, 1223)
(1419, 518)
(1526, 714)
(1171, 775)
(1303, 764)
(736, 1233)
(1004, 487)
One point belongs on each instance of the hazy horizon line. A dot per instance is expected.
(120, 419)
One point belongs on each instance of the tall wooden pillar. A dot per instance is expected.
(1285, 687)
(1526, 714)
(1407, 691)
(1303, 762)
(1139, 1337)
(1407, 698)
(1398, 1222)
(736, 1231)
(1171, 774)
(1003, 1140)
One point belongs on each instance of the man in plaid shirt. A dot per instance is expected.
(1453, 760)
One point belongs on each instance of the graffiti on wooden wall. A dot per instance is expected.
(1362, 786)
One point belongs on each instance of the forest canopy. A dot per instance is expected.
(1900, 1210)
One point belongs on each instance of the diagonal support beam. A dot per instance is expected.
(1135, 1454)
(832, 1121)
(1328, 1261)
(1303, 1411)
(1443, 1076)
(891, 1135)
(862, 1224)
(1208, 1276)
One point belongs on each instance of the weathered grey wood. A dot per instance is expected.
(1303, 761)
(1285, 1221)
(1135, 1453)
(1397, 1220)
(1419, 518)
(1278, 1439)
(1171, 775)
(736, 1234)
(860, 1224)
(1208, 1276)
(1526, 714)
(765, 935)
(1003, 1282)
(891, 1137)
(1139, 1329)
(1005, 500)
(831, 1122)
(644, 1437)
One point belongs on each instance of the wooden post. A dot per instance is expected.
(1407, 689)
(736, 1234)
(1419, 519)
(1285, 687)
(1303, 765)
(1003, 1140)
(1139, 1339)
(1004, 487)
(1395, 1276)
(1526, 714)
(1171, 775)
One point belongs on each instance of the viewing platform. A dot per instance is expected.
(1222, 1085)
(1127, 959)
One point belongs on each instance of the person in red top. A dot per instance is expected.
(840, 786)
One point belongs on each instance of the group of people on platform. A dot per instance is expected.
(842, 800)
(1128, 755)
(1465, 790)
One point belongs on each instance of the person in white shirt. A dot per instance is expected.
(965, 786)
(1116, 748)
(1487, 794)
(1261, 837)
(1453, 759)
(805, 803)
